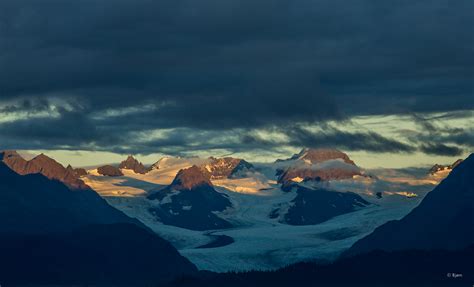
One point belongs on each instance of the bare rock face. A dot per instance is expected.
(80, 172)
(14, 161)
(44, 165)
(321, 155)
(226, 167)
(133, 164)
(318, 164)
(190, 178)
(108, 170)
(439, 168)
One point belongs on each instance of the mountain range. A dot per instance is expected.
(43, 165)
(191, 201)
(431, 246)
(201, 195)
(218, 211)
(54, 228)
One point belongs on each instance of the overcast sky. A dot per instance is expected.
(381, 80)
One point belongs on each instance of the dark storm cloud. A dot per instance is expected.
(465, 138)
(368, 141)
(68, 128)
(433, 137)
(332, 137)
(27, 106)
(441, 149)
(225, 65)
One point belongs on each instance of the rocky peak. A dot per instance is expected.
(133, 164)
(318, 164)
(44, 165)
(225, 167)
(190, 178)
(321, 155)
(109, 170)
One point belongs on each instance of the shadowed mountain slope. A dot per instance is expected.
(51, 234)
(444, 219)
(190, 201)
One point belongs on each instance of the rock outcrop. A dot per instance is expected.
(133, 164)
(440, 168)
(109, 170)
(227, 167)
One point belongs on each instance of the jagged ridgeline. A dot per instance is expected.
(54, 227)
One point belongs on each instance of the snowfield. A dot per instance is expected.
(259, 242)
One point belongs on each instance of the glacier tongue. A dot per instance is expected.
(261, 242)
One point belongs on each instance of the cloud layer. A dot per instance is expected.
(108, 74)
